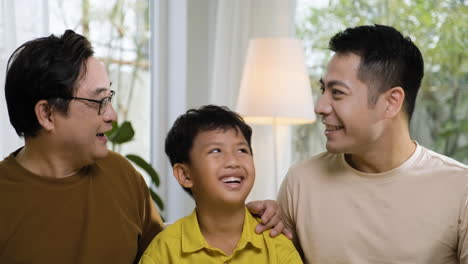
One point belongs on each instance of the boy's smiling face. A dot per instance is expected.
(221, 168)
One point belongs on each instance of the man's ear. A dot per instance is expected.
(182, 175)
(394, 99)
(44, 115)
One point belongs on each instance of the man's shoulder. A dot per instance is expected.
(317, 164)
(9, 160)
(115, 161)
(113, 157)
(430, 158)
(438, 166)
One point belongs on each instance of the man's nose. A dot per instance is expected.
(323, 106)
(110, 115)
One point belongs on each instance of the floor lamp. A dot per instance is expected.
(275, 87)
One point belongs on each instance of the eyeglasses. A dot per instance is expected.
(103, 103)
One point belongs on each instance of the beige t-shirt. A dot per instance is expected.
(416, 213)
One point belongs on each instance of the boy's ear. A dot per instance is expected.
(182, 175)
(44, 114)
(394, 99)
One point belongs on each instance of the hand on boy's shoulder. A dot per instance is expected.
(281, 247)
(271, 216)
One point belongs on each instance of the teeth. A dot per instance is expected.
(333, 128)
(231, 179)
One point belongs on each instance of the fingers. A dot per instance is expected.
(256, 207)
(277, 229)
(260, 228)
(288, 233)
(271, 215)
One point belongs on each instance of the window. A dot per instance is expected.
(440, 121)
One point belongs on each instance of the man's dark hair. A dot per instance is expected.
(388, 59)
(179, 140)
(45, 68)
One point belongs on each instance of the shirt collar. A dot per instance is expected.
(193, 240)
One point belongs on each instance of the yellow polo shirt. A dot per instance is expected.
(183, 242)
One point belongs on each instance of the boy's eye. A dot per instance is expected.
(244, 150)
(216, 150)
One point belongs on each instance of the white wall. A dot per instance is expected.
(20, 21)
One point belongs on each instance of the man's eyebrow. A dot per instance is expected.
(100, 90)
(334, 83)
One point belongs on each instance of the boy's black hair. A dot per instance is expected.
(179, 140)
(45, 68)
(388, 59)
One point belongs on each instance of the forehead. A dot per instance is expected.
(219, 135)
(342, 67)
(96, 79)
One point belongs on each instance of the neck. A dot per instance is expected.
(221, 227)
(389, 152)
(42, 158)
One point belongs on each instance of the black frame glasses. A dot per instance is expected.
(103, 103)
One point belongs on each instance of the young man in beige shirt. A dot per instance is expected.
(375, 196)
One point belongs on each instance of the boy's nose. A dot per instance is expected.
(232, 161)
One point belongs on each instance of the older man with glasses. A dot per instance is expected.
(64, 197)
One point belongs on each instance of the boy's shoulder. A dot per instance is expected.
(280, 247)
(265, 235)
(168, 242)
(170, 237)
(175, 230)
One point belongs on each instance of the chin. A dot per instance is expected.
(237, 201)
(102, 153)
(333, 149)
(336, 148)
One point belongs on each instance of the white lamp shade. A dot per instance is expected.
(275, 83)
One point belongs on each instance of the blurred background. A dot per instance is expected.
(166, 56)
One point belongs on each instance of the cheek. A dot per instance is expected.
(205, 166)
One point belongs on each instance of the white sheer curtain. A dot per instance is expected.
(236, 23)
(203, 45)
(20, 21)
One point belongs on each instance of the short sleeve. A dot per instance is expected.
(285, 201)
(463, 228)
(152, 222)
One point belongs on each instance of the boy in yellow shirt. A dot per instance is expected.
(211, 156)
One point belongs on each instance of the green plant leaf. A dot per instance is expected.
(157, 199)
(122, 133)
(145, 166)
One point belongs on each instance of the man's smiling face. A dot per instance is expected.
(82, 129)
(352, 125)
